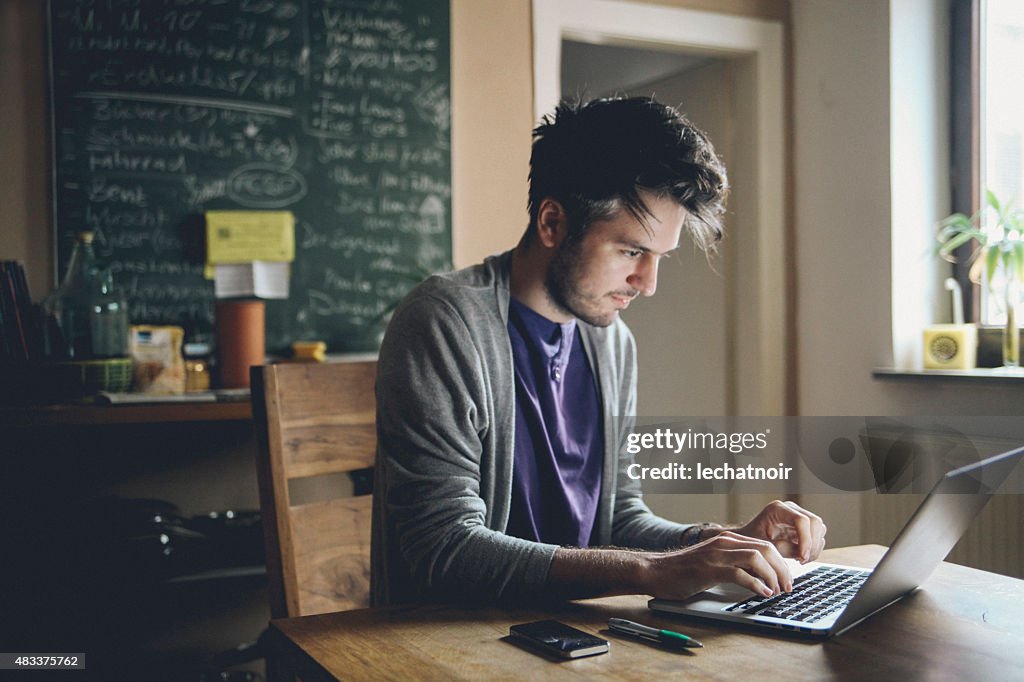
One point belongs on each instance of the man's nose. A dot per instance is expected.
(645, 277)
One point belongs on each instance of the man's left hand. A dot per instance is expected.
(795, 532)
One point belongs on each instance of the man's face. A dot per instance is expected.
(596, 276)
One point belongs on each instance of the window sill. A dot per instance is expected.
(980, 375)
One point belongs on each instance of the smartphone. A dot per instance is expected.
(558, 639)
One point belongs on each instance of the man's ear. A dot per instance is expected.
(552, 222)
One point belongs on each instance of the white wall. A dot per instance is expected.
(919, 116)
(596, 70)
(841, 114)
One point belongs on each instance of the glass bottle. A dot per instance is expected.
(108, 318)
(1011, 334)
(85, 317)
(197, 367)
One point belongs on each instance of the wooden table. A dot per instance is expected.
(962, 624)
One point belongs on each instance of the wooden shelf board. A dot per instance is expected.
(149, 413)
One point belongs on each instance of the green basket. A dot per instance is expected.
(84, 377)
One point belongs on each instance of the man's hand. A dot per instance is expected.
(726, 558)
(751, 556)
(795, 532)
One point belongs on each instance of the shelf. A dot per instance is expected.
(980, 375)
(148, 413)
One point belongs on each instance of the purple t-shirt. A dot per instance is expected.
(559, 446)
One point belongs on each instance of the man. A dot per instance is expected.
(506, 391)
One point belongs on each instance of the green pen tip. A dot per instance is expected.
(682, 639)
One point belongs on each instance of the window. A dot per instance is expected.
(1002, 123)
(987, 50)
(1002, 97)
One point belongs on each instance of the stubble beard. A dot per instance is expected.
(562, 286)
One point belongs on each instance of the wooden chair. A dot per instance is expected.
(315, 423)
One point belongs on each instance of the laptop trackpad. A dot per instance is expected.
(723, 595)
(728, 591)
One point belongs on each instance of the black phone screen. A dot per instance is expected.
(558, 639)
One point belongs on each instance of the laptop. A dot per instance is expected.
(827, 599)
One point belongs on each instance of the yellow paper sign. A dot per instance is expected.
(246, 236)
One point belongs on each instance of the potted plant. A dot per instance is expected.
(998, 255)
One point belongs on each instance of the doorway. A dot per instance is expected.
(684, 333)
(712, 341)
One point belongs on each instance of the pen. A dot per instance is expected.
(628, 627)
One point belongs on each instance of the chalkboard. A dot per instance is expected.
(337, 110)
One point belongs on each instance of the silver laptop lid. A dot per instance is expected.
(936, 526)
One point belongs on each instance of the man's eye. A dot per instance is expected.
(633, 253)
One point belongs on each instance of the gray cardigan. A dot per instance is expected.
(445, 428)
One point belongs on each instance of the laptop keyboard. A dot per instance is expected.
(816, 595)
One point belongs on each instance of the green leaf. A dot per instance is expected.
(956, 219)
(1018, 248)
(990, 196)
(954, 242)
(991, 261)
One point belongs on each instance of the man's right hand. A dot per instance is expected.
(727, 557)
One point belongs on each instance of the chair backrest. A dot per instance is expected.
(316, 427)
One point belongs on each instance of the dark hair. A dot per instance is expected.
(594, 158)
